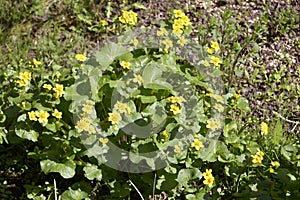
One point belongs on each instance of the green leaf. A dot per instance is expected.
(29, 135)
(108, 54)
(277, 132)
(147, 99)
(3, 133)
(243, 104)
(185, 175)
(92, 172)
(66, 170)
(74, 195)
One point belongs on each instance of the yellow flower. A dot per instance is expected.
(87, 108)
(177, 149)
(175, 109)
(182, 41)
(138, 79)
(260, 153)
(57, 114)
(257, 159)
(85, 124)
(275, 163)
(264, 128)
(59, 90)
(22, 82)
(197, 144)
(26, 76)
(114, 117)
(90, 102)
(186, 20)
(177, 29)
(135, 42)
(165, 133)
(125, 65)
(103, 22)
(42, 116)
(104, 140)
(173, 99)
(57, 74)
(32, 115)
(168, 43)
(207, 173)
(209, 181)
(217, 97)
(36, 63)
(219, 107)
(178, 23)
(213, 124)
(210, 50)
(215, 60)
(47, 86)
(178, 13)
(215, 46)
(271, 170)
(80, 57)
(162, 32)
(128, 17)
(205, 63)
(236, 96)
(122, 107)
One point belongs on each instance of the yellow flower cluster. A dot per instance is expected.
(80, 57)
(264, 128)
(58, 89)
(216, 97)
(123, 108)
(208, 177)
(85, 123)
(258, 157)
(162, 32)
(214, 47)
(175, 104)
(128, 17)
(168, 44)
(213, 124)
(181, 22)
(274, 164)
(24, 78)
(115, 116)
(40, 116)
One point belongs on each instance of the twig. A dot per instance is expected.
(55, 192)
(136, 189)
(154, 181)
(285, 119)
